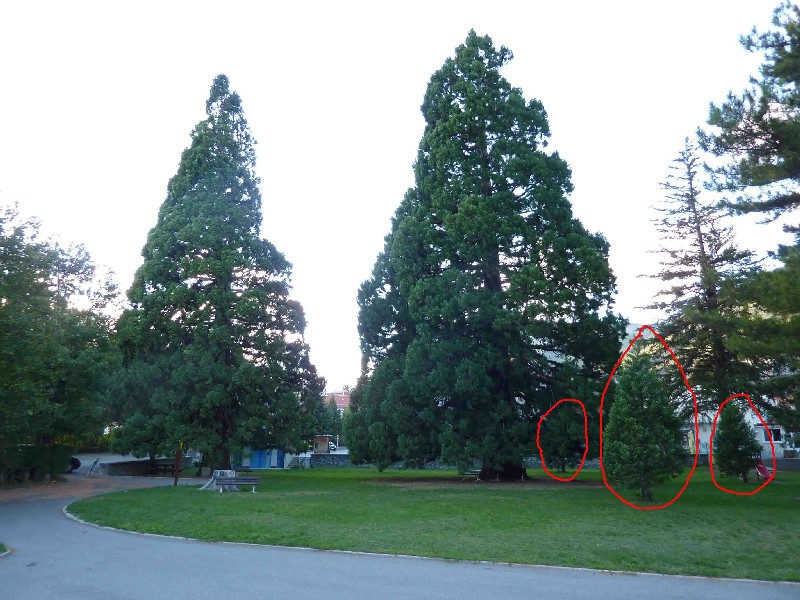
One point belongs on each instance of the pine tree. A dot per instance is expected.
(643, 441)
(735, 446)
(486, 283)
(213, 344)
(702, 267)
(769, 335)
(759, 130)
(562, 436)
(758, 133)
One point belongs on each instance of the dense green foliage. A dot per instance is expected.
(540, 522)
(213, 345)
(759, 130)
(643, 441)
(328, 419)
(701, 266)
(768, 335)
(735, 446)
(56, 354)
(562, 433)
(486, 284)
(758, 134)
(561, 437)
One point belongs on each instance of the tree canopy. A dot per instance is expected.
(213, 345)
(487, 283)
(56, 353)
(758, 133)
(759, 129)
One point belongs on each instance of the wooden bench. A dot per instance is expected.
(473, 474)
(223, 481)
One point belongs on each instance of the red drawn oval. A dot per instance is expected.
(585, 438)
(711, 449)
(696, 429)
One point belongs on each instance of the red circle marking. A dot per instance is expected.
(585, 438)
(711, 448)
(696, 429)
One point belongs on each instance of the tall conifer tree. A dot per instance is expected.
(757, 132)
(213, 344)
(701, 268)
(487, 283)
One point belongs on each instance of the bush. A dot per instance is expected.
(21, 462)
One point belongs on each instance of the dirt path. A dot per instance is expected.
(78, 486)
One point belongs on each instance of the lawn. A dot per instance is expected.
(706, 532)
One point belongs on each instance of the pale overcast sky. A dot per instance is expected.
(99, 99)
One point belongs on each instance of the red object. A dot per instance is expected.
(763, 471)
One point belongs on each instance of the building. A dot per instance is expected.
(272, 458)
(705, 424)
(342, 399)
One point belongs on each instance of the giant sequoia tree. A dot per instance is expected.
(213, 345)
(487, 285)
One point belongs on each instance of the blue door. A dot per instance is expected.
(281, 458)
(258, 459)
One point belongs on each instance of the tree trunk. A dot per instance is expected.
(222, 458)
(647, 493)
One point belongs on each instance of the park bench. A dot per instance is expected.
(223, 481)
(473, 474)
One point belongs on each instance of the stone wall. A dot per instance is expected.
(330, 460)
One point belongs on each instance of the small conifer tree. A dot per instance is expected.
(643, 442)
(735, 447)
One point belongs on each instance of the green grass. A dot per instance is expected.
(706, 532)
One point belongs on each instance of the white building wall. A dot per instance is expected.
(706, 421)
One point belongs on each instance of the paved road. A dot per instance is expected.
(57, 558)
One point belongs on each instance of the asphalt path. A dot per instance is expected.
(54, 557)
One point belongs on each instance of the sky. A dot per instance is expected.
(99, 99)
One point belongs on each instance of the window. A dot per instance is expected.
(776, 434)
